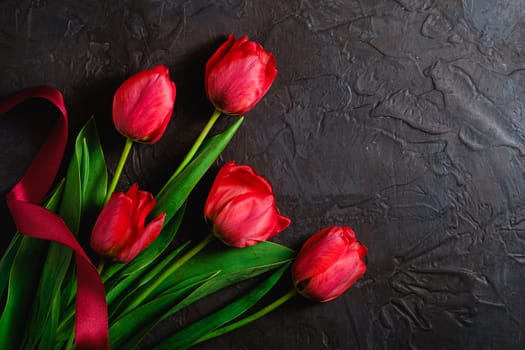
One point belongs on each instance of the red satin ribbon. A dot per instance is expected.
(91, 319)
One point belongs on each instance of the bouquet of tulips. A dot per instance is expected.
(92, 268)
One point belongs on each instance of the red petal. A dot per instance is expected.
(329, 263)
(221, 51)
(143, 204)
(244, 219)
(112, 228)
(320, 252)
(336, 280)
(231, 181)
(133, 190)
(146, 237)
(282, 223)
(237, 80)
(143, 103)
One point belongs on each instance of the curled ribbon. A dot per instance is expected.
(91, 320)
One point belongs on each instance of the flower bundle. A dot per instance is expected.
(53, 296)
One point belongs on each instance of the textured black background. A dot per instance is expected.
(403, 119)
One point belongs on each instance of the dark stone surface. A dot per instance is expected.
(403, 119)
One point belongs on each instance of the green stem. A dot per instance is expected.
(168, 272)
(267, 309)
(198, 142)
(118, 170)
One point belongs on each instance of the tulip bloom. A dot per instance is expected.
(241, 207)
(143, 105)
(120, 232)
(238, 75)
(328, 264)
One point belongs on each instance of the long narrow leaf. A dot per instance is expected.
(150, 313)
(7, 261)
(133, 283)
(189, 335)
(9, 255)
(58, 257)
(93, 172)
(48, 338)
(21, 291)
(27, 261)
(235, 265)
(84, 189)
(246, 262)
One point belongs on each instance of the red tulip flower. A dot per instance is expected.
(120, 232)
(241, 207)
(143, 105)
(238, 75)
(328, 264)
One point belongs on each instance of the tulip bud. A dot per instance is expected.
(143, 104)
(238, 75)
(120, 232)
(328, 264)
(241, 207)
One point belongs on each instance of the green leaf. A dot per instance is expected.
(25, 261)
(189, 335)
(243, 263)
(86, 180)
(235, 265)
(248, 319)
(71, 212)
(175, 193)
(93, 172)
(54, 271)
(69, 289)
(9, 255)
(48, 340)
(89, 161)
(84, 191)
(133, 329)
(21, 291)
(7, 261)
(133, 283)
